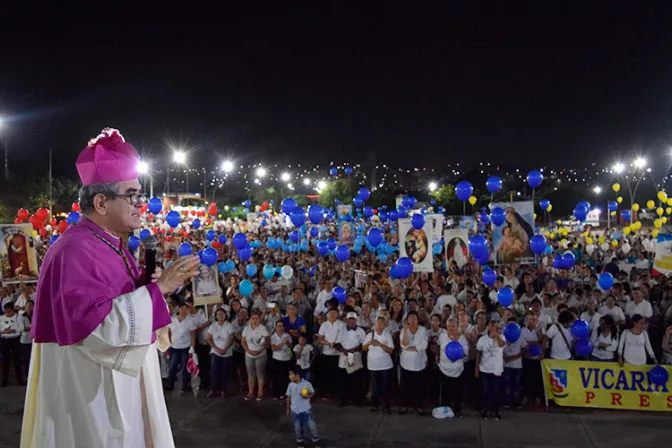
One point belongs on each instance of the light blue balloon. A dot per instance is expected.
(268, 271)
(251, 270)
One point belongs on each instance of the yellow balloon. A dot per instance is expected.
(635, 207)
(472, 200)
(613, 213)
(654, 233)
(626, 230)
(563, 242)
(549, 208)
(535, 216)
(669, 202)
(558, 222)
(659, 211)
(614, 243)
(600, 239)
(547, 234)
(616, 187)
(657, 223)
(662, 196)
(552, 236)
(619, 199)
(638, 225)
(650, 204)
(668, 210)
(664, 219)
(589, 240)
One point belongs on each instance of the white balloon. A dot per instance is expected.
(287, 272)
(590, 249)
(604, 247)
(625, 248)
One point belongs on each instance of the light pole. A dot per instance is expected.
(638, 164)
(597, 190)
(180, 158)
(143, 168)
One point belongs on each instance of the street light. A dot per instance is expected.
(143, 168)
(227, 166)
(180, 157)
(432, 186)
(321, 185)
(285, 177)
(306, 181)
(619, 167)
(261, 171)
(597, 189)
(640, 162)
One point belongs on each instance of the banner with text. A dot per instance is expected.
(604, 385)
(415, 244)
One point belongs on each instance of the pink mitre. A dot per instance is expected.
(108, 159)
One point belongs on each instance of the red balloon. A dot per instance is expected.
(62, 226)
(17, 221)
(52, 222)
(207, 222)
(75, 207)
(43, 232)
(213, 210)
(22, 214)
(144, 208)
(193, 213)
(169, 239)
(150, 217)
(42, 213)
(213, 204)
(185, 212)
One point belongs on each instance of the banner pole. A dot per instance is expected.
(543, 381)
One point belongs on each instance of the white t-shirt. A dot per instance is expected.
(15, 323)
(256, 339)
(198, 318)
(513, 282)
(643, 308)
(303, 360)
(616, 313)
(350, 339)
(592, 321)
(181, 332)
(530, 337)
(448, 367)
(220, 337)
(331, 333)
(512, 349)
(443, 300)
(607, 353)
(26, 338)
(415, 360)
(634, 347)
(377, 358)
(492, 355)
(283, 353)
(559, 348)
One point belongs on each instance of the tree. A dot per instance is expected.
(341, 189)
(444, 195)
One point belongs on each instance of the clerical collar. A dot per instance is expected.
(88, 224)
(352, 329)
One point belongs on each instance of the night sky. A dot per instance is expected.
(554, 86)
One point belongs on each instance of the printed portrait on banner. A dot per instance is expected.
(346, 233)
(416, 244)
(511, 240)
(18, 258)
(457, 246)
(206, 286)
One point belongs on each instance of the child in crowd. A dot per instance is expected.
(299, 393)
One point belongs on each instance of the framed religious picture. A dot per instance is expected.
(206, 286)
(18, 258)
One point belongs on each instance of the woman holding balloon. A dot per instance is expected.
(489, 368)
(454, 348)
(533, 339)
(604, 340)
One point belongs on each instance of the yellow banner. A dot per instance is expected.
(605, 385)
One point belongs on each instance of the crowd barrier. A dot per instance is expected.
(604, 385)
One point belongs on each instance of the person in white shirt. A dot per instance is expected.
(26, 339)
(220, 339)
(305, 354)
(350, 344)
(635, 344)
(255, 341)
(513, 370)
(181, 340)
(638, 306)
(604, 340)
(489, 367)
(561, 337)
(591, 316)
(451, 371)
(610, 309)
(443, 299)
(322, 298)
(413, 360)
(533, 340)
(329, 335)
(281, 359)
(11, 327)
(379, 345)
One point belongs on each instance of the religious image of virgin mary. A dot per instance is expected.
(17, 254)
(515, 241)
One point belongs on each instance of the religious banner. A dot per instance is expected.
(663, 261)
(206, 286)
(415, 244)
(468, 222)
(511, 240)
(343, 209)
(18, 258)
(361, 278)
(346, 233)
(251, 221)
(605, 385)
(457, 246)
(437, 226)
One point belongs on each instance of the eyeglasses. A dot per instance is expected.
(133, 198)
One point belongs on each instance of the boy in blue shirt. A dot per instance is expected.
(299, 393)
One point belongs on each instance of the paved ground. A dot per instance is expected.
(233, 422)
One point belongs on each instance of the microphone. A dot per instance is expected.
(150, 257)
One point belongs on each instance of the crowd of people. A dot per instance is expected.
(385, 342)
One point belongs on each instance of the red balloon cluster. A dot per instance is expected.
(213, 209)
(264, 206)
(22, 214)
(75, 207)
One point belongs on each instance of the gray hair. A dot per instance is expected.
(88, 192)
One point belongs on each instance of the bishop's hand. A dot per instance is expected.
(177, 273)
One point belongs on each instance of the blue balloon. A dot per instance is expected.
(246, 288)
(331, 243)
(247, 203)
(144, 234)
(72, 218)
(210, 235)
(348, 170)
(658, 376)
(268, 271)
(234, 209)
(322, 249)
(245, 253)
(454, 351)
(339, 294)
(489, 277)
(612, 206)
(315, 213)
(251, 270)
(538, 244)
(53, 239)
(580, 329)
(337, 201)
(208, 256)
(223, 268)
(222, 239)
(368, 211)
(464, 190)
(173, 219)
(155, 205)
(534, 350)
(294, 236)
(485, 218)
(288, 205)
(417, 221)
(314, 232)
(580, 213)
(364, 194)
(494, 184)
(382, 215)
(534, 178)
(478, 245)
(357, 202)
(557, 262)
(625, 214)
(133, 242)
(505, 296)
(184, 250)
(498, 216)
(298, 216)
(568, 260)
(342, 253)
(404, 267)
(584, 347)
(437, 248)
(239, 240)
(544, 203)
(484, 258)
(394, 271)
(584, 204)
(549, 249)
(406, 202)
(512, 332)
(605, 280)
(230, 265)
(313, 270)
(402, 212)
(375, 237)
(333, 171)
(196, 223)
(393, 216)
